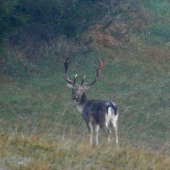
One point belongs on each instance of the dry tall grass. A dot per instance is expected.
(72, 151)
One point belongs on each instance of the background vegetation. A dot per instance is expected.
(40, 128)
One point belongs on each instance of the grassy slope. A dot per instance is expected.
(38, 111)
(40, 128)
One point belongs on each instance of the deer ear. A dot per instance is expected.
(70, 85)
(86, 87)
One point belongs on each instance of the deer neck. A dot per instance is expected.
(80, 104)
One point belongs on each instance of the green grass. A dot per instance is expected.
(136, 82)
(132, 79)
(158, 7)
(157, 13)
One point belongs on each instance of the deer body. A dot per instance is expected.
(97, 113)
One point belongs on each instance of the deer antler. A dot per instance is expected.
(66, 65)
(98, 74)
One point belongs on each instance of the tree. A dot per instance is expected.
(11, 17)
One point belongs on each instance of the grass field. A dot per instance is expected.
(40, 128)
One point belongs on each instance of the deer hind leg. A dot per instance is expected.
(114, 123)
(107, 131)
(97, 132)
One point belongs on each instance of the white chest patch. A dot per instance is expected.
(79, 108)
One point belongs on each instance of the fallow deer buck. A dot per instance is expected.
(97, 113)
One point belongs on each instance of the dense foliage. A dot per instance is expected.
(11, 17)
(68, 17)
(45, 19)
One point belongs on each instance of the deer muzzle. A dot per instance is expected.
(75, 96)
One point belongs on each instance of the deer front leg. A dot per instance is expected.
(90, 128)
(97, 132)
(91, 133)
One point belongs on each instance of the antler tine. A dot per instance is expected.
(83, 80)
(98, 74)
(75, 79)
(66, 66)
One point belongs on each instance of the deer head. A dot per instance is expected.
(78, 90)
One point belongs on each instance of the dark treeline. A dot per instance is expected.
(46, 19)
